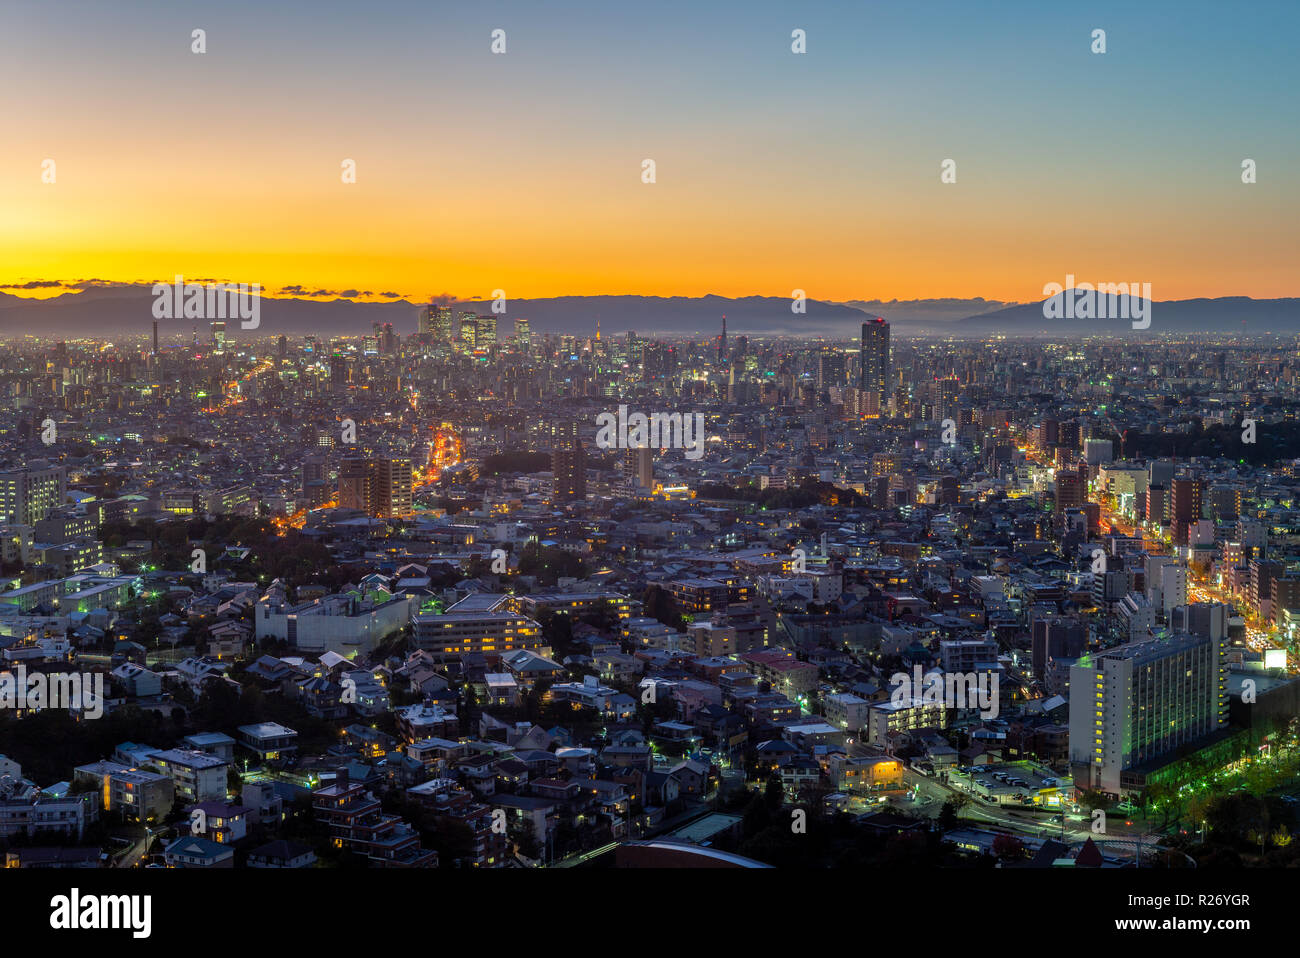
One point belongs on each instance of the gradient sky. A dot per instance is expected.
(775, 171)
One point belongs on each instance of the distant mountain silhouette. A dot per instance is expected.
(106, 310)
(129, 309)
(1227, 314)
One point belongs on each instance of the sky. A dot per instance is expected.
(775, 171)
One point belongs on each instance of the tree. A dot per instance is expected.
(524, 835)
(774, 795)
(948, 816)
(1008, 847)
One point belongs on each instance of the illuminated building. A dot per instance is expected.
(1141, 703)
(873, 368)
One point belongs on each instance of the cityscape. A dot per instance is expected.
(449, 444)
(392, 600)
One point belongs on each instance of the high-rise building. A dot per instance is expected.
(379, 486)
(1135, 707)
(1069, 490)
(873, 368)
(1185, 502)
(568, 462)
(218, 335)
(468, 331)
(435, 321)
(638, 466)
(830, 369)
(523, 335)
(28, 495)
(315, 487)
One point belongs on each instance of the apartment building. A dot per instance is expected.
(461, 633)
(1141, 703)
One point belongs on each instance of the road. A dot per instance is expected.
(1045, 824)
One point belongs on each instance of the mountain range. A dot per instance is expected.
(105, 309)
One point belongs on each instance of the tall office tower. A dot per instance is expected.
(1185, 499)
(873, 366)
(379, 486)
(568, 462)
(387, 339)
(28, 495)
(435, 322)
(722, 342)
(468, 331)
(311, 345)
(219, 336)
(338, 370)
(523, 335)
(486, 333)
(1137, 705)
(155, 337)
(830, 369)
(282, 347)
(638, 466)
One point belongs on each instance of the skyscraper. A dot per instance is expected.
(435, 322)
(830, 369)
(468, 331)
(568, 462)
(873, 369)
(1185, 502)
